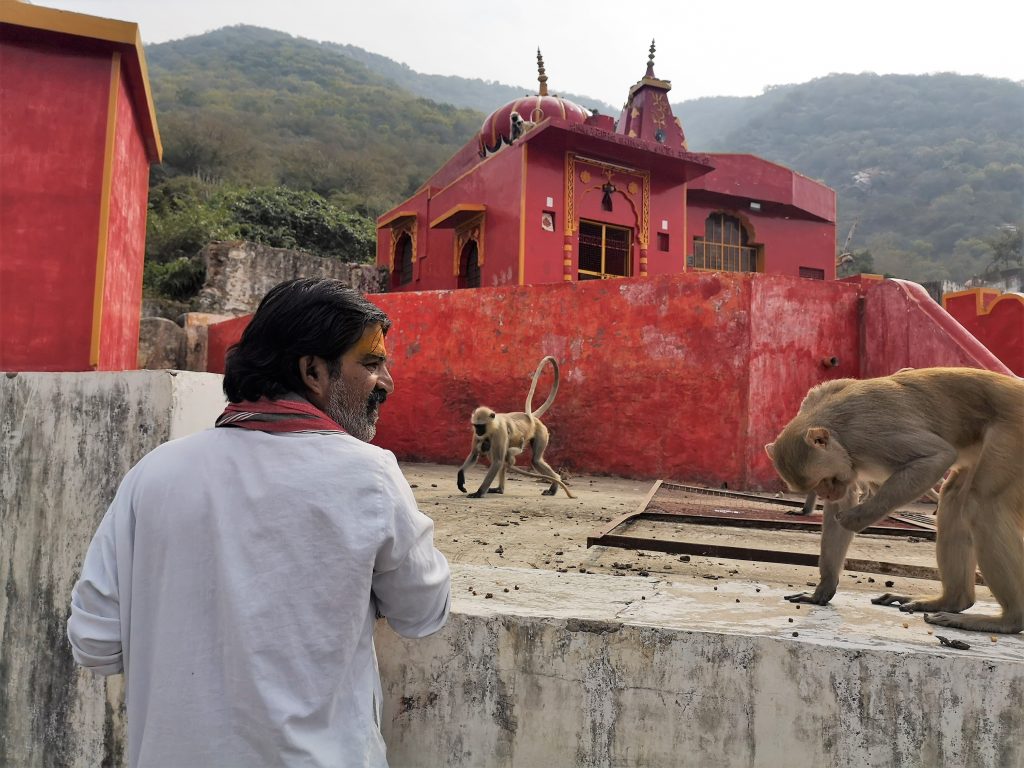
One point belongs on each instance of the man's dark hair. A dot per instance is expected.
(306, 316)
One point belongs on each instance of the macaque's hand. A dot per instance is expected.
(858, 517)
(461, 481)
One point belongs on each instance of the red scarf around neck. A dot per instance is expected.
(268, 415)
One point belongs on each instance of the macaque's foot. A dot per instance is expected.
(976, 622)
(549, 491)
(909, 604)
(460, 481)
(820, 596)
(476, 495)
(798, 512)
(495, 490)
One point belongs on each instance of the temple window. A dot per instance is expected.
(469, 266)
(724, 247)
(812, 273)
(604, 251)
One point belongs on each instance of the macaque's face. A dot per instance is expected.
(822, 465)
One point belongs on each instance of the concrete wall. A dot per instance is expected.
(561, 670)
(598, 671)
(66, 439)
(238, 274)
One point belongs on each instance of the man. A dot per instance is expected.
(237, 575)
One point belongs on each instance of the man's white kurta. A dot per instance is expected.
(236, 579)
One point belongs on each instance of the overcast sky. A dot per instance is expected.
(599, 48)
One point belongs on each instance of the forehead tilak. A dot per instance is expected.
(372, 342)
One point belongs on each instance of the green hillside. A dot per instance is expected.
(930, 168)
(473, 93)
(255, 106)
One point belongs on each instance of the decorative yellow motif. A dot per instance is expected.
(406, 227)
(635, 113)
(645, 215)
(609, 171)
(570, 193)
(472, 230)
(659, 109)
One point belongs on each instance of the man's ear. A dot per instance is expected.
(818, 437)
(314, 375)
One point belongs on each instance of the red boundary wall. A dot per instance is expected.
(994, 318)
(680, 377)
(904, 327)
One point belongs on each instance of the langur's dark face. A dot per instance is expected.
(481, 420)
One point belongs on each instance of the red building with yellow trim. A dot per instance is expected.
(548, 192)
(78, 133)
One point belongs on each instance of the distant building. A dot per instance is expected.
(549, 192)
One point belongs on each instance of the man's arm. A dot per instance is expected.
(94, 627)
(411, 579)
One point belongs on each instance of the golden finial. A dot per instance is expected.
(650, 61)
(541, 77)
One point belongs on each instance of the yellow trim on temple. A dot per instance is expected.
(522, 218)
(383, 222)
(81, 25)
(978, 294)
(457, 209)
(101, 242)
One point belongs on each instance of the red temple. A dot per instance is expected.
(549, 192)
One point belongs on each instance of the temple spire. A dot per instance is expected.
(650, 61)
(541, 77)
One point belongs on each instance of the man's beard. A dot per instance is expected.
(356, 415)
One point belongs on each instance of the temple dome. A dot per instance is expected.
(497, 128)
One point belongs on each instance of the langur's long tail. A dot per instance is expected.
(550, 479)
(551, 396)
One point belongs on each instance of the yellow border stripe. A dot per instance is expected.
(383, 221)
(108, 176)
(94, 27)
(522, 218)
(472, 207)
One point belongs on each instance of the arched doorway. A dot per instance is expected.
(469, 266)
(402, 274)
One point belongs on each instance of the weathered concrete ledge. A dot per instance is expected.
(567, 670)
(66, 440)
(593, 670)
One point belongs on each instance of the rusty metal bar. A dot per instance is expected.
(604, 536)
(767, 556)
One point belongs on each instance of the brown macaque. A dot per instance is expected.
(503, 436)
(901, 434)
